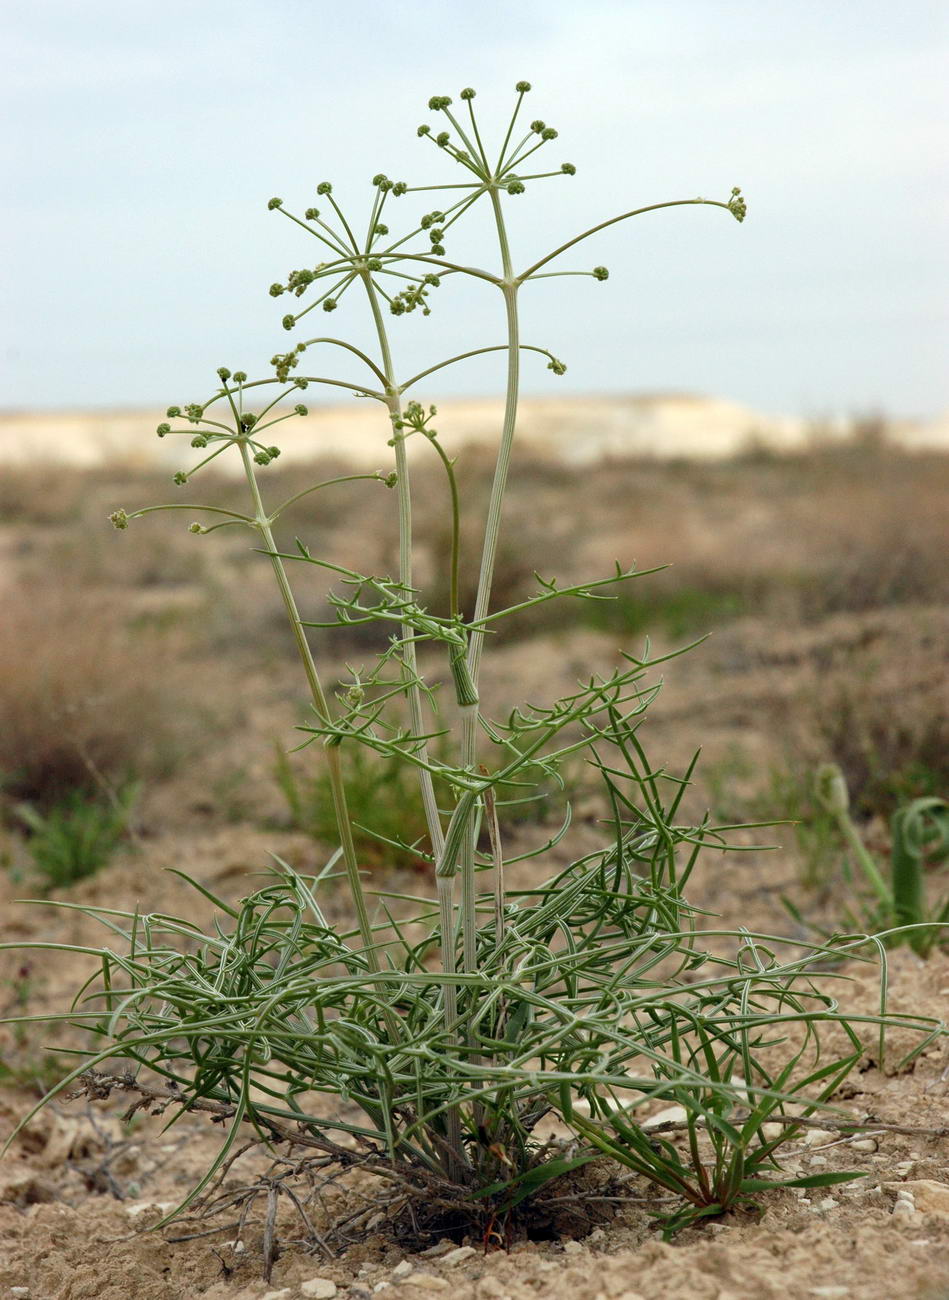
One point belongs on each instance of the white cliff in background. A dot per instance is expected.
(575, 430)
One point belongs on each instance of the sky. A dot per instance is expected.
(147, 138)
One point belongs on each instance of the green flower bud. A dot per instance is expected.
(330, 304)
(549, 133)
(240, 377)
(274, 203)
(516, 187)
(522, 87)
(438, 102)
(390, 480)
(199, 441)
(224, 373)
(324, 187)
(380, 178)
(262, 458)
(180, 477)
(194, 412)
(600, 273)
(163, 429)
(399, 188)
(467, 93)
(537, 126)
(288, 322)
(173, 411)
(248, 421)
(424, 130)
(830, 787)
(195, 528)
(556, 366)
(374, 264)
(381, 229)
(120, 520)
(438, 250)
(311, 214)
(301, 383)
(442, 139)
(273, 452)
(300, 409)
(276, 290)
(568, 169)
(737, 205)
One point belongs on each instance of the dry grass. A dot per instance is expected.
(83, 701)
(792, 540)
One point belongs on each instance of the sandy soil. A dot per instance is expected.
(79, 1189)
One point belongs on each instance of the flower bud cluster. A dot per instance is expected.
(415, 417)
(737, 205)
(414, 295)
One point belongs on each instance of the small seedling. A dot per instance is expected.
(920, 840)
(77, 836)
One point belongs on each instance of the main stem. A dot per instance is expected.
(318, 696)
(469, 735)
(444, 884)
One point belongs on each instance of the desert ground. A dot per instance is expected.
(149, 675)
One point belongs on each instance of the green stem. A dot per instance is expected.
(403, 487)
(488, 559)
(320, 703)
(445, 884)
(624, 216)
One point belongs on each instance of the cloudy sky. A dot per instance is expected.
(147, 138)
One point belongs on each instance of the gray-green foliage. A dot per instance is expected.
(456, 1023)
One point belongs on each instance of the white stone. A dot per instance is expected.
(133, 1211)
(283, 1294)
(671, 1115)
(572, 1248)
(771, 1132)
(904, 1210)
(20, 1292)
(817, 1160)
(864, 1144)
(403, 1269)
(320, 1288)
(931, 1197)
(816, 1137)
(440, 1248)
(459, 1255)
(828, 1203)
(904, 1168)
(429, 1282)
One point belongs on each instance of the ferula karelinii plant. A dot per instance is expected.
(585, 1000)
